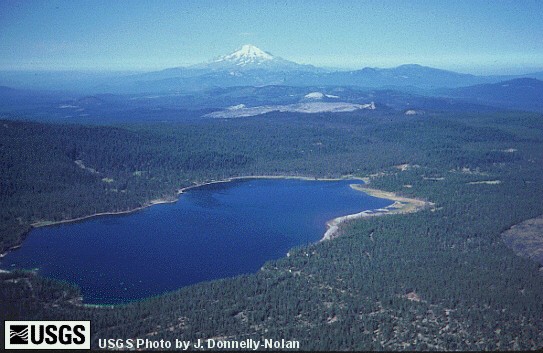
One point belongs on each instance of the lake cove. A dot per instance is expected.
(213, 231)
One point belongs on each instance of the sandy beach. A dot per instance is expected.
(401, 205)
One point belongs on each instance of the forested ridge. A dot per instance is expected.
(436, 279)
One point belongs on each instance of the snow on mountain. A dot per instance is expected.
(252, 66)
(247, 54)
(250, 57)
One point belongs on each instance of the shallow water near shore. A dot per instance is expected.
(213, 231)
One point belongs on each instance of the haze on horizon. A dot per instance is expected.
(479, 37)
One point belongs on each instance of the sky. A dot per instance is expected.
(480, 37)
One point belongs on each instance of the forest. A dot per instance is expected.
(438, 279)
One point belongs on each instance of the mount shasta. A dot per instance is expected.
(252, 66)
(251, 81)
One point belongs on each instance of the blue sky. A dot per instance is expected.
(468, 36)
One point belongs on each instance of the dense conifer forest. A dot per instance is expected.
(439, 279)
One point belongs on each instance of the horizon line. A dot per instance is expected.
(520, 69)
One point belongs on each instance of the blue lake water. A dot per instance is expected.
(214, 231)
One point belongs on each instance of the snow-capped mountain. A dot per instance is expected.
(252, 66)
(246, 55)
(250, 57)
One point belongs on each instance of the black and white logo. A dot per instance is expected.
(18, 334)
(47, 334)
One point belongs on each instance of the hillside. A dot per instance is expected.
(520, 93)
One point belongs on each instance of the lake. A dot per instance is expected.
(213, 231)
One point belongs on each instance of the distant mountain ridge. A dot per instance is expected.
(252, 66)
(244, 101)
(520, 93)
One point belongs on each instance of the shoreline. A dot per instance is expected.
(180, 192)
(39, 224)
(401, 205)
(227, 180)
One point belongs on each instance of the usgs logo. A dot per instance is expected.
(47, 334)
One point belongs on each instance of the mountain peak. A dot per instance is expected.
(250, 59)
(247, 54)
(251, 50)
